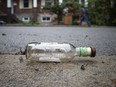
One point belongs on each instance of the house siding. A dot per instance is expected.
(33, 13)
(21, 12)
(3, 6)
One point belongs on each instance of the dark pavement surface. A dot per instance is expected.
(14, 39)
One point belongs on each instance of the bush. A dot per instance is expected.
(31, 23)
(101, 13)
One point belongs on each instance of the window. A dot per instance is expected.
(46, 19)
(48, 2)
(26, 4)
(26, 19)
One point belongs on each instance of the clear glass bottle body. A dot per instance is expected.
(54, 52)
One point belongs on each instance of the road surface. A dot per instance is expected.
(14, 39)
(80, 72)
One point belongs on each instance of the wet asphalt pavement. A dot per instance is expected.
(14, 39)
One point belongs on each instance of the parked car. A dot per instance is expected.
(2, 22)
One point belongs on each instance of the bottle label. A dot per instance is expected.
(85, 51)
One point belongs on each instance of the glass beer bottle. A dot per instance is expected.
(56, 52)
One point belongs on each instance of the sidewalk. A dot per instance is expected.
(40, 25)
(53, 25)
(81, 72)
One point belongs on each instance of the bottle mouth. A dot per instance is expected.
(93, 52)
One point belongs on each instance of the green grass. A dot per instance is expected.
(31, 23)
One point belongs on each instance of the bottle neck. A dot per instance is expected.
(83, 51)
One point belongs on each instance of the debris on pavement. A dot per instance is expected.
(82, 67)
(3, 34)
(21, 59)
(114, 82)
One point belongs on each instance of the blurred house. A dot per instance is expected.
(26, 10)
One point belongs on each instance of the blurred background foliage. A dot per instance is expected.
(100, 12)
